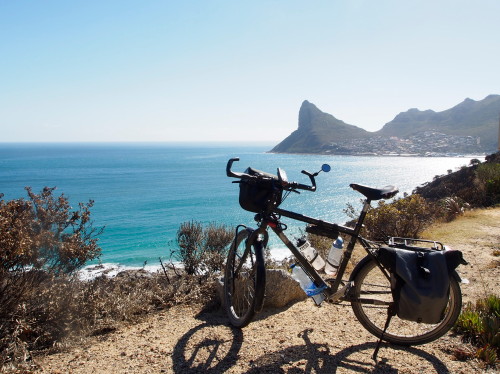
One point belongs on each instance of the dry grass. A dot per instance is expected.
(63, 312)
(480, 227)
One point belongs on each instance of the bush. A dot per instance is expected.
(189, 242)
(451, 207)
(489, 174)
(405, 217)
(41, 242)
(41, 233)
(479, 324)
(203, 250)
(217, 240)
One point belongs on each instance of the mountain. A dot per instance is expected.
(469, 127)
(317, 129)
(469, 118)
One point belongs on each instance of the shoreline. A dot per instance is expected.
(416, 155)
(111, 270)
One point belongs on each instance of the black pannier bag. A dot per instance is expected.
(420, 281)
(254, 195)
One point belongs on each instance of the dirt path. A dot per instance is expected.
(299, 339)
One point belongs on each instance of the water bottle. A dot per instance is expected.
(333, 260)
(311, 290)
(310, 253)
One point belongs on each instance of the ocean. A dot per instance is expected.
(143, 192)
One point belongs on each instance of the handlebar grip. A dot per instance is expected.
(306, 187)
(306, 173)
(233, 174)
(229, 172)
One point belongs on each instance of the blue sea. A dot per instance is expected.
(143, 192)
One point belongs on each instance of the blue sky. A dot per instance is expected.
(213, 70)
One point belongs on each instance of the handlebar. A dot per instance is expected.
(231, 173)
(285, 184)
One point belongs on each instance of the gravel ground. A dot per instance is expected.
(300, 338)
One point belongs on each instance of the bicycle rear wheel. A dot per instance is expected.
(371, 284)
(244, 279)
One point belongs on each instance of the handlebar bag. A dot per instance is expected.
(420, 282)
(257, 194)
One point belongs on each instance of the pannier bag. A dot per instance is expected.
(254, 195)
(420, 281)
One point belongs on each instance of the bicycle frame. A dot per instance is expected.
(370, 293)
(332, 291)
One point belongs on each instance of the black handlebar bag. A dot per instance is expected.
(419, 282)
(256, 194)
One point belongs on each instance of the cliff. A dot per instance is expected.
(317, 129)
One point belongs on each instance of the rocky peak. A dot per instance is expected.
(307, 113)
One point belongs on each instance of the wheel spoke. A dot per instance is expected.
(372, 296)
(240, 281)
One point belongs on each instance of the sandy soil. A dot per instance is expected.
(301, 338)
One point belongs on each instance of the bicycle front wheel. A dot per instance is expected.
(373, 289)
(244, 279)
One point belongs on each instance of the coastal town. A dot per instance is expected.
(427, 143)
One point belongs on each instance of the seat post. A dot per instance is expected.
(359, 223)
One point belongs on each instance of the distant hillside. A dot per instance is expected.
(469, 118)
(469, 127)
(317, 129)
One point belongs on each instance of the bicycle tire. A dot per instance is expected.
(370, 282)
(244, 279)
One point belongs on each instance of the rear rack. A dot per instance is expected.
(412, 243)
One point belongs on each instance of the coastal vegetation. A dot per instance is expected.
(202, 250)
(479, 323)
(43, 243)
(443, 199)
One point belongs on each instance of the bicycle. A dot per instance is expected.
(368, 288)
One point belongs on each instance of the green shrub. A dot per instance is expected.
(479, 324)
(489, 174)
(405, 217)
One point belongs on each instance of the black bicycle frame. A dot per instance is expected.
(328, 226)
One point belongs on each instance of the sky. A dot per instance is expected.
(234, 71)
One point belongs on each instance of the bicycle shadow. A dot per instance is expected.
(200, 351)
(203, 350)
(317, 358)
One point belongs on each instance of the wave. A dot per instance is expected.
(111, 270)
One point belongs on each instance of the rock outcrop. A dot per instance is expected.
(281, 289)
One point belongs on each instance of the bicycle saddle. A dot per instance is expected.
(372, 193)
